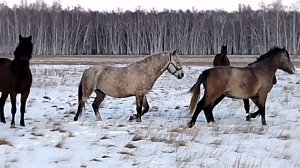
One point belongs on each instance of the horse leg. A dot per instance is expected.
(255, 114)
(82, 98)
(145, 105)
(208, 114)
(2, 103)
(139, 106)
(24, 97)
(13, 108)
(99, 98)
(208, 110)
(247, 108)
(145, 110)
(200, 106)
(260, 103)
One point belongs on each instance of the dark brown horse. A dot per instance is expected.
(15, 78)
(254, 82)
(221, 59)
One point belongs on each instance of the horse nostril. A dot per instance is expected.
(180, 76)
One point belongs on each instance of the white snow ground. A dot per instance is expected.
(52, 139)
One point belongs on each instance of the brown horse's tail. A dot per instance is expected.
(195, 89)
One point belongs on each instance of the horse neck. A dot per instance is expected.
(269, 65)
(157, 66)
(20, 64)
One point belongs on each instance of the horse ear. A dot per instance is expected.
(284, 47)
(30, 37)
(20, 37)
(174, 52)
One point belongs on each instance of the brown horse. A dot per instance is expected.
(254, 82)
(221, 59)
(135, 79)
(15, 78)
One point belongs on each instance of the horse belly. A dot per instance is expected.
(240, 92)
(116, 90)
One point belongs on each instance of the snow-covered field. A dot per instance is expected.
(52, 139)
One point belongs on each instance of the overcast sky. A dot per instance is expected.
(109, 5)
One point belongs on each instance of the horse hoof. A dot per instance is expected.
(13, 126)
(132, 118)
(75, 118)
(22, 124)
(3, 121)
(190, 124)
(264, 123)
(138, 120)
(248, 118)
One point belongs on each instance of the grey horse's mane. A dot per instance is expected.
(151, 57)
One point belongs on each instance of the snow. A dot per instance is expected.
(52, 139)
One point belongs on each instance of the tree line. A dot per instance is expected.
(72, 31)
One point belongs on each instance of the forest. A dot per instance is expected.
(75, 31)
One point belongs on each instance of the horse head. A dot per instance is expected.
(24, 49)
(285, 62)
(175, 66)
(224, 49)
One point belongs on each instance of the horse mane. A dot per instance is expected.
(24, 48)
(268, 54)
(151, 57)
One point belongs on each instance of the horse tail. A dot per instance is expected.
(195, 89)
(80, 92)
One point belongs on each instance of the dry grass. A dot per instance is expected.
(59, 129)
(104, 137)
(260, 130)
(60, 144)
(5, 142)
(130, 146)
(240, 163)
(126, 153)
(284, 136)
(137, 138)
(36, 133)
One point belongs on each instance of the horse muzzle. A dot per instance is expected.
(291, 71)
(180, 75)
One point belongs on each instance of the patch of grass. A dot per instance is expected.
(60, 144)
(5, 142)
(104, 137)
(126, 153)
(180, 143)
(260, 130)
(37, 134)
(284, 136)
(137, 138)
(130, 146)
(59, 129)
(240, 163)
(216, 142)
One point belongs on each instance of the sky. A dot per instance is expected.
(109, 5)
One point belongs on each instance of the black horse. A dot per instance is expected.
(16, 78)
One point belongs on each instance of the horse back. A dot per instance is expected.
(221, 60)
(234, 82)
